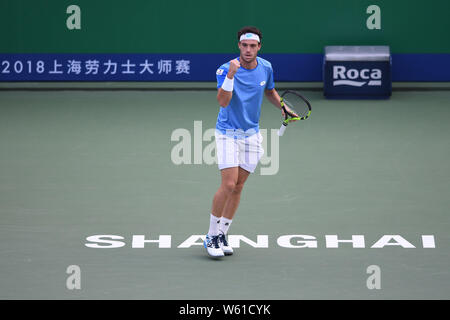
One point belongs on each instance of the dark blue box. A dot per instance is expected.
(357, 72)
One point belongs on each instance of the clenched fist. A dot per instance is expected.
(234, 65)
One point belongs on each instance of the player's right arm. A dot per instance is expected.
(224, 96)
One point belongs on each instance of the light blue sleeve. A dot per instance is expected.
(221, 73)
(270, 83)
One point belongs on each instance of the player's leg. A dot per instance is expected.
(229, 180)
(234, 197)
(227, 155)
(228, 162)
(229, 210)
(250, 152)
(230, 177)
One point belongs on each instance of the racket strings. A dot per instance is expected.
(297, 105)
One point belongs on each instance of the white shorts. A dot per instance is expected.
(242, 152)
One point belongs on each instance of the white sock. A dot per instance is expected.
(224, 225)
(213, 225)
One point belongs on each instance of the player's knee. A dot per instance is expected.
(238, 188)
(229, 186)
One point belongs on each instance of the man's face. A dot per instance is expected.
(249, 49)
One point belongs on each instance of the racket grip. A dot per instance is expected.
(281, 131)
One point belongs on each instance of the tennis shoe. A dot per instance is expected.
(212, 246)
(226, 248)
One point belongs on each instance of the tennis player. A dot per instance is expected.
(241, 84)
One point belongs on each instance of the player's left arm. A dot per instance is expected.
(273, 96)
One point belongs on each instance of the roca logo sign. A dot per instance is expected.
(355, 77)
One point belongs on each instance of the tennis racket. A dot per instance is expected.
(298, 108)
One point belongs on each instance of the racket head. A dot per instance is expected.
(297, 103)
